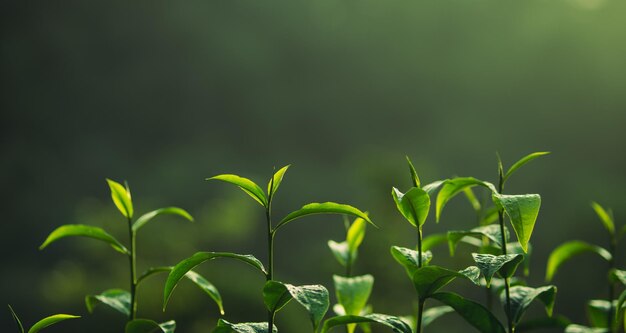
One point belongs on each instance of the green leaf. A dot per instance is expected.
(431, 314)
(433, 240)
(428, 279)
(274, 183)
(414, 178)
(521, 162)
(568, 250)
(452, 187)
(313, 298)
(145, 218)
(584, 329)
(413, 205)
(492, 232)
(433, 187)
(522, 211)
(323, 208)
(598, 312)
(340, 251)
(48, 321)
(555, 322)
(620, 307)
(182, 268)
(475, 314)
(490, 264)
(248, 186)
(83, 231)
(16, 319)
(521, 297)
(121, 198)
(116, 299)
(605, 217)
(225, 327)
(353, 292)
(616, 275)
(393, 322)
(356, 234)
(150, 326)
(489, 216)
(408, 258)
(471, 197)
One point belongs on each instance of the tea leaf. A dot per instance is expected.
(598, 312)
(556, 322)
(340, 251)
(433, 240)
(207, 287)
(617, 275)
(245, 184)
(182, 268)
(492, 232)
(428, 279)
(471, 197)
(147, 217)
(323, 208)
(121, 198)
(314, 299)
(83, 231)
(584, 329)
(408, 258)
(274, 183)
(431, 314)
(605, 217)
(620, 307)
(521, 297)
(116, 299)
(16, 319)
(522, 211)
(150, 326)
(414, 177)
(474, 313)
(225, 327)
(452, 187)
(393, 322)
(413, 205)
(432, 187)
(353, 292)
(356, 234)
(50, 321)
(568, 250)
(522, 162)
(490, 264)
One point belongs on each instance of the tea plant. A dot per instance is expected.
(120, 300)
(604, 315)
(314, 298)
(38, 326)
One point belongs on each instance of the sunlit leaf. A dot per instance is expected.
(428, 279)
(433, 187)
(452, 187)
(616, 275)
(225, 327)
(409, 259)
(121, 198)
(431, 314)
(568, 250)
(50, 321)
(555, 322)
(182, 268)
(274, 183)
(150, 326)
(313, 298)
(147, 217)
(248, 186)
(323, 208)
(521, 162)
(490, 264)
(584, 329)
(522, 211)
(393, 322)
(81, 230)
(413, 205)
(492, 232)
(605, 217)
(117, 299)
(17, 320)
(414, 178)
(598, 312)
(521, 297)
(352, 294)
(474, 313)
(340, 251)
(356, 234)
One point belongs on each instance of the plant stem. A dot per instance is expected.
(270, 268)
(133, 271)
(420, 310)
(419, 247)
(507, 285)
(611, 284)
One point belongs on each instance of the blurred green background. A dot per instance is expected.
(164, 94)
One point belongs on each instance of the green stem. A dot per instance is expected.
(419, 247)
(420, 311)
(133, 271)
(270, 268)
(507, 285)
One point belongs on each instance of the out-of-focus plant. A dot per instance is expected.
(38, 326)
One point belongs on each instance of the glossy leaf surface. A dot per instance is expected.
(428, 279)
(224, 326)
(393, 322)
(50, 321)
(474, 313)
(492, 232)
(568, 250)
(121, 198)
(353, 292)
(245, 184)
(150, 326)
(522, 211)
(431, 314)
(414, 178)
(182, 268)
(340, 251)
(313, 298)
(584, 329)
(451, 188)
(414, 205)
(323, 208)
(274, 183)
(605, 217)
(522, 296)
(147, 217)
(356, 234)
(522, 162)
(431, 188)
(81, 230)
(117, 299)
(408, 258)
(490, 264)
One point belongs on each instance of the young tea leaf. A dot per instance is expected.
(147, 217)
(117, 299)
(121, 198)
(605, 217)
(16, 319)
(452, 187)
(353, 292)
(431, 188)
(50, 321)
(393, 322)
(246, 185)
(490, 264)
(323, 208)
(414, 205)
(340, 251)
(313, 298)
(474, 313)
(521, 297)
(274, 183)
(428, 279)
(150, 326)
(225, 327)
(568, 250)
(414, 178)
(492, 232)
(598, 312)
(521, 162)
(408, 258)
(522, 211)
(356, 234)
(71, 230)
(616, 275)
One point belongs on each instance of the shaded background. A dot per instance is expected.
(166, 94)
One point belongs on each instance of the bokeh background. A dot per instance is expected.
(164, 94)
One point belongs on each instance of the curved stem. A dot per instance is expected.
(133, 272)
